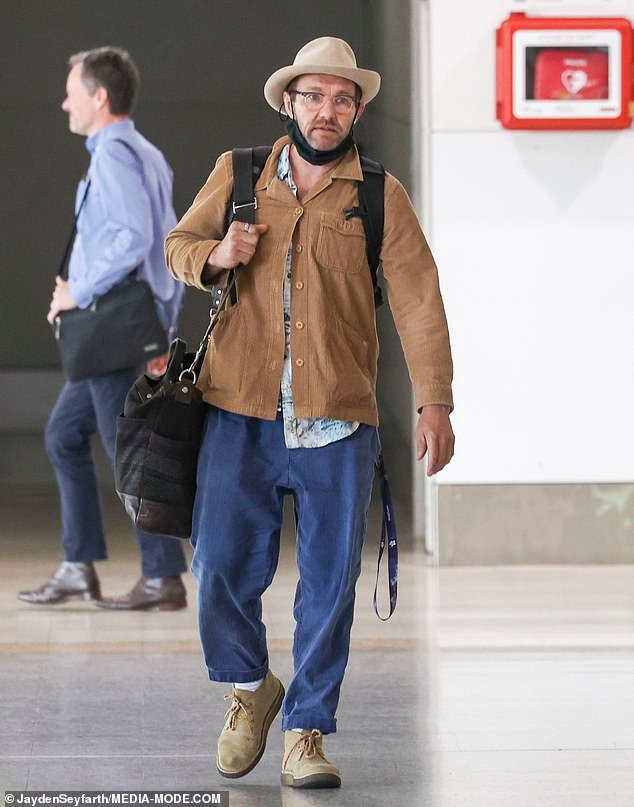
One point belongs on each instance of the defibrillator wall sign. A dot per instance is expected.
(564, 73)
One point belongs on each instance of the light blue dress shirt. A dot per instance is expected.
(301, 432)
(124, 221)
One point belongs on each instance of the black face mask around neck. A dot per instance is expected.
(312, 155)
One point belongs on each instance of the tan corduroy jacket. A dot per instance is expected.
(334, 345)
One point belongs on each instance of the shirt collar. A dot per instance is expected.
(284, 171)
(110, 132)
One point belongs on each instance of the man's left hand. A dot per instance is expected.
(434, 435)
(62, 299)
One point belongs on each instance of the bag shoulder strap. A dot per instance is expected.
(63, 266)
(129, 147)
(371, 202)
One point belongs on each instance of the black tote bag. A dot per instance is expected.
(156, 452)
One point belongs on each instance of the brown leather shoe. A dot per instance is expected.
(70, 581)
(164, 593)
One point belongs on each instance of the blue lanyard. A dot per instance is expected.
(388, 533)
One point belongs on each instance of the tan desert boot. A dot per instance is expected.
(249, 717)
(304, 762)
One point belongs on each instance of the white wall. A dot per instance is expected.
(532, 232)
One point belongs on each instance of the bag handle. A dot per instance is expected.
(175, 358)
(192, 372)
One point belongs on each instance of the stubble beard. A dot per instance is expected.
(338, 134)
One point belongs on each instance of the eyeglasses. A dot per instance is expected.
(316, 100)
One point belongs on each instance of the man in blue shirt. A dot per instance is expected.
(126, 215)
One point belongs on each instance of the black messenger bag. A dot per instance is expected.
(120, 329)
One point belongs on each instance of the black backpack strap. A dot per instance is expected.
(247, 166)
(260, 156)
(371, 202)
(243, 202)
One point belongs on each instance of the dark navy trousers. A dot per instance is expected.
(244, 472)
(83, 408)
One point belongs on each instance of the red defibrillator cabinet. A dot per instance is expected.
(564, 73)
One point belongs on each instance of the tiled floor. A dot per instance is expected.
(490, 687)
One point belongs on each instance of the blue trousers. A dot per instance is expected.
(244, 472)
(83, 408)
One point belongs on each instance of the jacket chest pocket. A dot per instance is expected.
(341, 244)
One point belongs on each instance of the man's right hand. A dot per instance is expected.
(238, 245)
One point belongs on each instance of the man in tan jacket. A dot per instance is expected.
(290, 374)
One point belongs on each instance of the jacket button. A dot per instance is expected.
(299, 285)
(299, 325)
(299, 211)
(299, 248)
(299, 362)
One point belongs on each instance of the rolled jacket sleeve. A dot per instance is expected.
(415, 300)
(189, 245)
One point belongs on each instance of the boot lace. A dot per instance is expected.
(234, 710)
(309, 745)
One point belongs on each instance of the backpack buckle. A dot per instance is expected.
(253, 204)
(353, 212)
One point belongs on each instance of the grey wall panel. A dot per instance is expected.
(526, 524)
(203, 65)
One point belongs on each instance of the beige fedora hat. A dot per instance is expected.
(324, 55)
